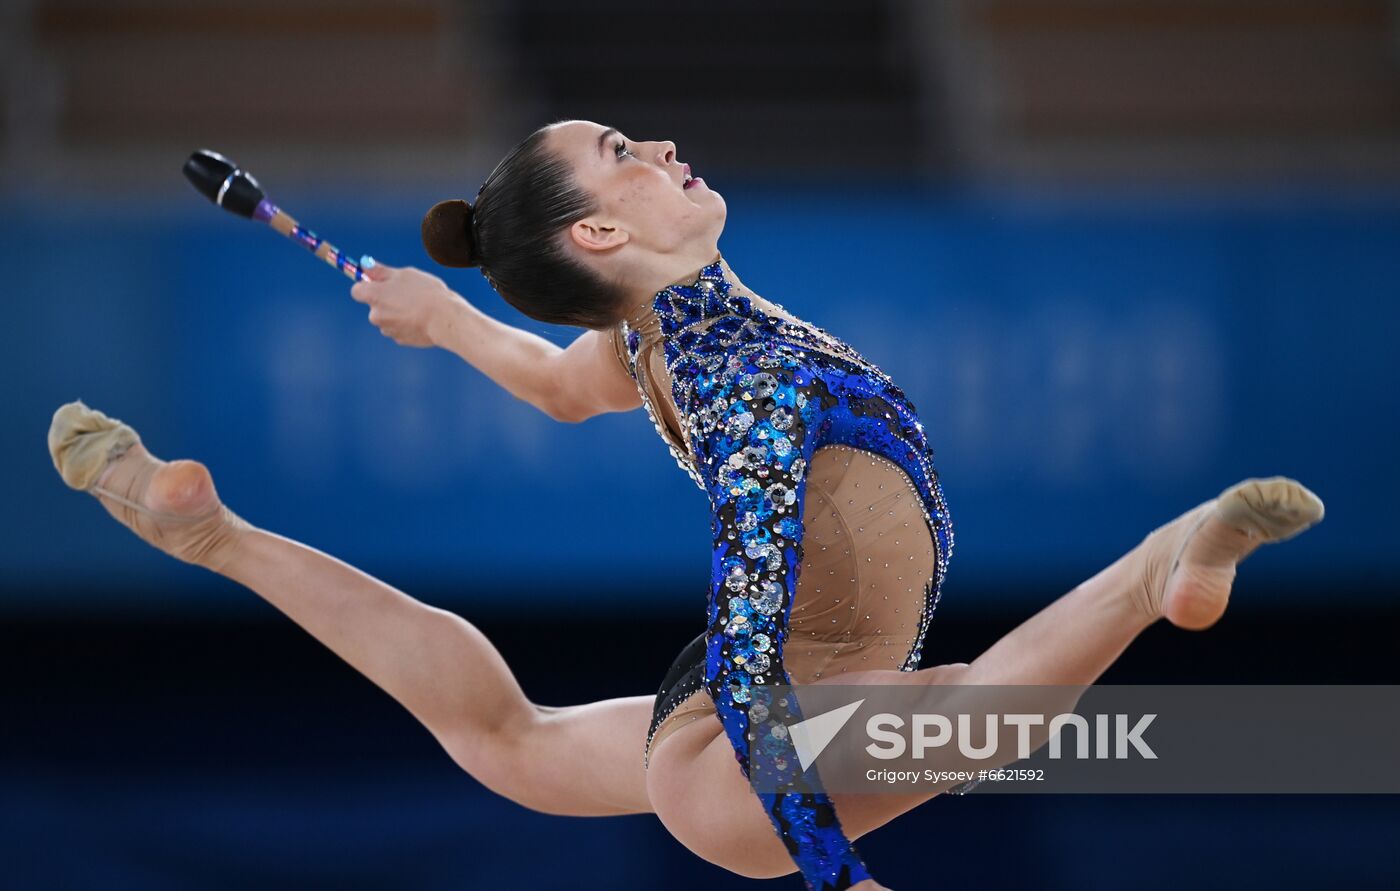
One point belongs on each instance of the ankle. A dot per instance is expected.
(224, 552)
(1147, 568)
(1125, 585)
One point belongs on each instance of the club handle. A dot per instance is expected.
(284, 223)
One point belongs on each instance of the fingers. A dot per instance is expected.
(377, 320)
(399, 301)
(374, 270)
(397, 336)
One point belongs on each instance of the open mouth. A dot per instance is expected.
(690, 180)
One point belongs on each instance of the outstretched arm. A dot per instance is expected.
(570, 384)
(754, 460)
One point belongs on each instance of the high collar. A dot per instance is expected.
(691, 300)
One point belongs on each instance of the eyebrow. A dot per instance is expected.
(603, 137)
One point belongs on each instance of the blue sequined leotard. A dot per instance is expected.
(781, 424)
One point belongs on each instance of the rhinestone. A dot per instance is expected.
(758, 664)
(737, 425)
(779, 493)
(769, 599)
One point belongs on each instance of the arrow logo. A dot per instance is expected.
(812, 736)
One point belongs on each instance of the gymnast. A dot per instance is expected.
(831, 535)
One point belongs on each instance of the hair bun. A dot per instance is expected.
(447, 234)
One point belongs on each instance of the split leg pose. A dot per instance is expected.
(580, 225)
(586, 760)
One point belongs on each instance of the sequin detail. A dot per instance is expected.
(758, 396)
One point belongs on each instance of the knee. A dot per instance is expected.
(952, 673)
(496, 756)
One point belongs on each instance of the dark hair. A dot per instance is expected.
(514, 234)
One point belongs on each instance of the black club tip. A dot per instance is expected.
(222, 182)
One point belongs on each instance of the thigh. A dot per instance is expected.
(703, 799)
(699, 793)
(584, 760)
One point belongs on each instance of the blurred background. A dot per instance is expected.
(1120, 253)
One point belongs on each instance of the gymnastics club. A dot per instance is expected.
(222, 182)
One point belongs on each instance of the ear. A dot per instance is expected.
(596, 234)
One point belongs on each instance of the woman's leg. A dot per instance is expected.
(584, 760)
(1182, 571)
(581, 760)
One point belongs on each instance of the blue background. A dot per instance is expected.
(1086, 369)
(1120, 253)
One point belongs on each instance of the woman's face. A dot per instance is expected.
(640, 191)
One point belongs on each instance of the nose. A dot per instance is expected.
(668, 152)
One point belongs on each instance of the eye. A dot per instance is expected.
(621, 149)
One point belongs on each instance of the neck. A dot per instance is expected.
(681, 274)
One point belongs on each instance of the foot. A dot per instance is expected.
(171, 505)
(1190, 562)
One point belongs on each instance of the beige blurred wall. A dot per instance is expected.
(100, 96)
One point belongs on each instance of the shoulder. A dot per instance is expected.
(762, 393)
